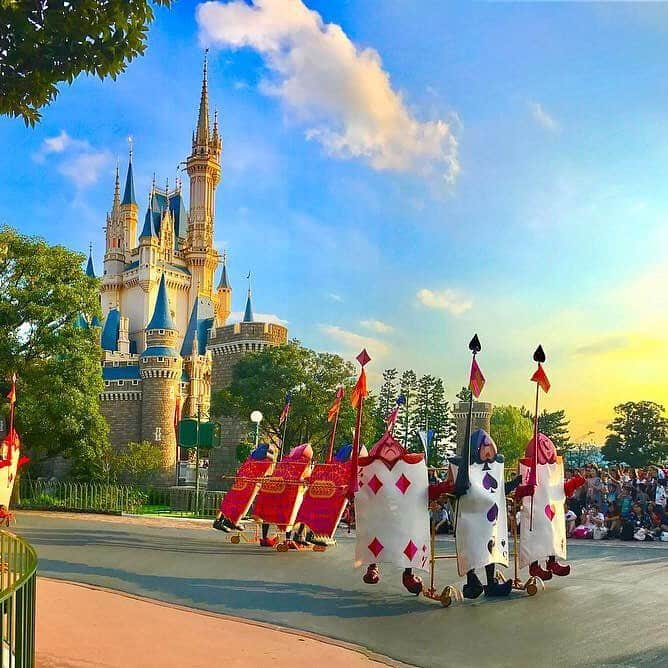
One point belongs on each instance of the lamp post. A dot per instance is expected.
(256, 417)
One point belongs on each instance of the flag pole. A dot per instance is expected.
(539, 357)
(285, 429)
(332, 437)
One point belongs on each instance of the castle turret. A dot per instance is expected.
(223, 296)
(114, 254)
(197, 359)
(90, 270)
(129, 210)
(203, 166)
(160, 369)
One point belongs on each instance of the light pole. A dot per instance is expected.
(256, 417)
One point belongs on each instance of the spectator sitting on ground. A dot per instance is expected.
(658, 518)
(636, 525)
(642, 497)
(571, 519)
(613, 520)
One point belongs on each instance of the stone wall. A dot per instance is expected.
(122, 410)
(482, 413)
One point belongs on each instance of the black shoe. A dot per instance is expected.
(499, 588)
(220, 525)
(472, 590)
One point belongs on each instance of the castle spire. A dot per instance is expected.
(162, 317)
(129, 192)
(90, 270)
(248, 313)
(202, 133)
(224, 282)
(117, 191)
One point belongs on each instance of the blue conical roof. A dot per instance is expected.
(95, 322)
(80, 322)
(201, 320)
(90, 271)
(149, 228)
(224, 282)
(248, 313)
(110, 330)
(129, 192)
(162, 318)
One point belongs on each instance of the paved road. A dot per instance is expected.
(610, 612)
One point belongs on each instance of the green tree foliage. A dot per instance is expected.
(44, 44)
(554, 425)
(638, 434)
(261, 380)
(464, 394)
(137, 463)
(433, 413)
(42, 290)
(389, 391)
(407, 418)
(510, 430)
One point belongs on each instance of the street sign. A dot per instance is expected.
(187, 437)
(209, 434)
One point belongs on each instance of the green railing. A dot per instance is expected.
(18, 573)
(117, 499)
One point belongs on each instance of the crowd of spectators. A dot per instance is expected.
(619, 502)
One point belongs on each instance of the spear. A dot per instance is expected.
(540, 378)
(333, 414)
(357, 401)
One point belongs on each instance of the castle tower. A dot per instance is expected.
(114, 254)
(129, 210)
(482, 415)
(203, 166)
(160, 370)
(223, 296)
(90, 270)
(197, 359)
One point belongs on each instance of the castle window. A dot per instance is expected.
(120, 383)
(135, 382)
(161, 331)
(115, 363)
(107, 383)
(161, 359)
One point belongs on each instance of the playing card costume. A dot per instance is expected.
(326, 496)
(392, 519)
(481, 532)
(543, 534)
(239, 498)
(281, 493)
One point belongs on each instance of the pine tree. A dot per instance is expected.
(406, 422)
(389, 391)
(554, 425)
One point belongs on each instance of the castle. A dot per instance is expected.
(166, 343)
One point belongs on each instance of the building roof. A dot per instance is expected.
(202, 132)
(121, 372)
(149, 229)
(90, 270)
(201, 321)
(109, 339)
(248, 313)
(95, 322)
(129, 192)
(80, 322)
(224, 282)
(159, 351)
(158, 202)
(162, 317)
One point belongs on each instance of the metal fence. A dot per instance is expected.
(117, 499)
(18, 573)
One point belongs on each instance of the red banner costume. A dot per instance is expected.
(281, 493)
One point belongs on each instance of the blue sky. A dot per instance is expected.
(489, 166)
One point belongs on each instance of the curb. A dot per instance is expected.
(358, 649)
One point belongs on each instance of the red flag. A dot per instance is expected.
(336, 406)
(476, 380)
(540, 377)
(359, 391)
(286, 409)
(177, 414)
(12, 392)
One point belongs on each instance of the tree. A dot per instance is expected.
(639, 433)
(464, 394)
(510, 430)
(387, 397)
(434, 414)
(406, 422)
(261, 380)
(47, 43)
(554, 425)
(137, 463)
(42, 291)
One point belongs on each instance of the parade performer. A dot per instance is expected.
(543, 495)
(281, 493)
(545, 537)
(239, 498)
(481, 527)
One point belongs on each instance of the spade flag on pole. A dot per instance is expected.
(541, 378)
(476, 380)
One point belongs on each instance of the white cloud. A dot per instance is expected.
(339, 91)
(377, 326)
(81, 163)
(542, 117)
(238, 316)
(350, 343)
(334, 297)
(445, 300)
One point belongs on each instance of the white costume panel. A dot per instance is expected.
(482, 523)
(548, 531)
(391, 514)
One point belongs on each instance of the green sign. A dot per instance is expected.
(209, 434)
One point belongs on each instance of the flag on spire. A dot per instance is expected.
(336, 406)
(476, 379)
(541, 378)
(286, 409)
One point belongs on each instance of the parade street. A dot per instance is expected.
(602, 615)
